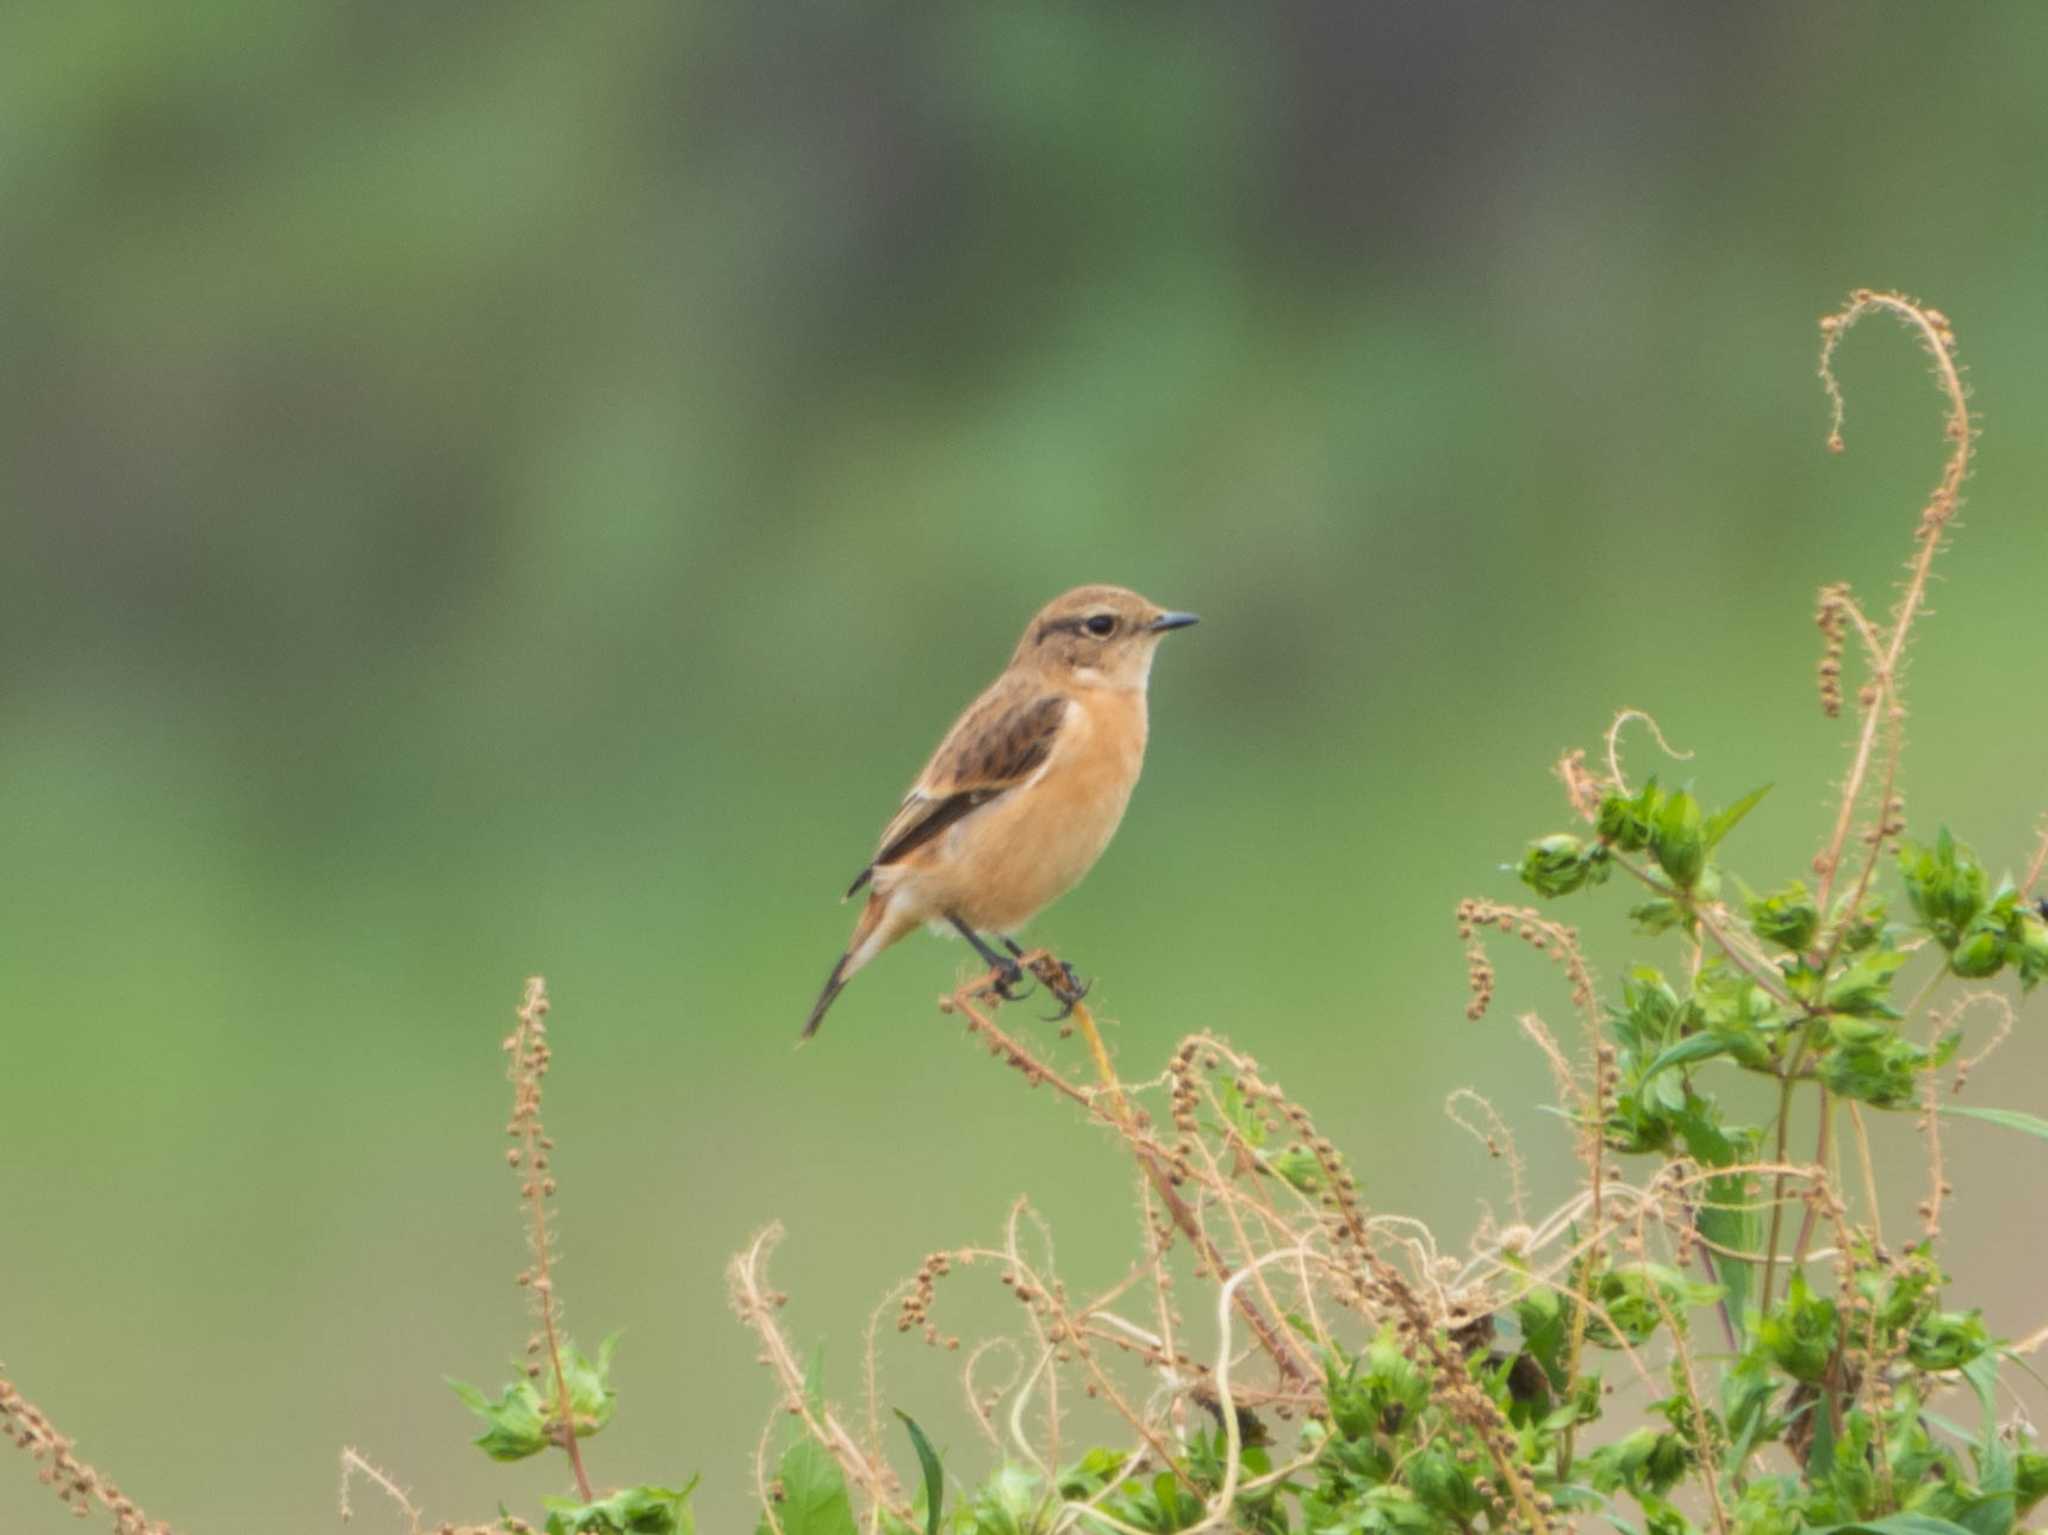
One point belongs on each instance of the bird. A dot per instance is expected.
(1022, 794)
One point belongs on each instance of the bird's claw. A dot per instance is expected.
(1069, 988)
(1004, 980)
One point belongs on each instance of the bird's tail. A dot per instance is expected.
(835, 983)
(871, 935)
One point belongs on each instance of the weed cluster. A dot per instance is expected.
(1796, 1357)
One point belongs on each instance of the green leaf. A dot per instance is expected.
(1559, 864)
(1980, 953)
(1982, 1374)
(516, 1424)
(810, 1494)
(1645, 1460)
(934, 1477)
(1009, 1501)
(1746, 1393)
(1296, 1166)
(2011, 1119)
(630, 1511)
(591, 1397)
(2030, 1480)
(1894, 1524)
(1727, 1212)
(1678, 841)
(1787, 917)
(1545, 1328)
(1694, 1047)
(1947, 1340)
(1247, 1123)
(1627, 822)
(1867, 1061)
(2029, 947)
(1658, 916)
(1444, 1486)
(1863, 988)
(1732, 1007)
(1636, 1298)
(1723, 822)
(1799, 1333)
(1946, 886)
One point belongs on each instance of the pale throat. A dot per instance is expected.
(1132, 677)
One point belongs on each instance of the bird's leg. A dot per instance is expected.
(1007, 971)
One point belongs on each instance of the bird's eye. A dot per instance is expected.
(1102, 625)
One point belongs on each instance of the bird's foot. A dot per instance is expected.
(1065, 983)
(1070, 991)
(1004, 978)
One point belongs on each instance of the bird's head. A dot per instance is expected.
(1097, 636)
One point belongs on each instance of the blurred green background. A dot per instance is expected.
(508, 488)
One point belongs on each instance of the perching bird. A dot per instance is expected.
(1024, 792)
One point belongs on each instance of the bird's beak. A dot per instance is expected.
(1167, 621)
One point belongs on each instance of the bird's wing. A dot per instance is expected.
(1005, 737)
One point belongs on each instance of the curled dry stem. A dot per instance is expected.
(1881, 706)
(355, 1464)
(1622, 719)
(1113, 1108)
(756, 1304)
(1492, 1132)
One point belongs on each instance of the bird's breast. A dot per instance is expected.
(1033, 844)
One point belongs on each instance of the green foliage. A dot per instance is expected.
(526, 1418)
(934, 1477)
(1560, 864)
(1817, 1002)
(1791, 1369)
(562, 1397)
(810, 1494)
(1810, 1413)
(1670, 825)
(1983, 930)
(515, 1426)
(630, 1511)
(1787, 917)
(1793, 1435)
(2011, 1119)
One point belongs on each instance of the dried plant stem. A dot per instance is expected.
(756, 1304)
(76, 1483)
(563, 1403)
(1233, 1434)
(1938, 1187)
(2038, 863)
(1785, 1086)
(1589, 1265)
(1621, 719)
(530, 1054)
(1054, 979)
(1882, 706)
(356, 1464)
(1702, 1421)
(1150, 1157)
(1825, 1139)
(1869, 1172)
